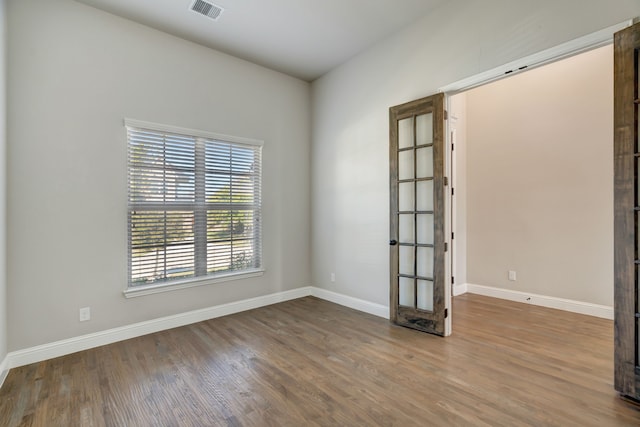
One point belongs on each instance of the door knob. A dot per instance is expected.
(393, 242)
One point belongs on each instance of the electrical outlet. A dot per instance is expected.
(333, 277)
(85, 314)
(512, 275)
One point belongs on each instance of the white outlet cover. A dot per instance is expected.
(85, 314)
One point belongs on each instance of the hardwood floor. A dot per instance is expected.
(311, 362)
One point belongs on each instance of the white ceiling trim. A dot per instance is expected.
(565, 50)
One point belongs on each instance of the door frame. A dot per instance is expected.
(574, 47)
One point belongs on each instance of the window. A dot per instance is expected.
(194, 210)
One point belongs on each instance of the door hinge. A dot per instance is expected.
(446, 180)
(452, 235)
(446, 313)
(446, 115)
(452, 147)
(446, 246)
(453, 280)
(452, 192)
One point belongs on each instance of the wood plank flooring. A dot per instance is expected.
(309, 362)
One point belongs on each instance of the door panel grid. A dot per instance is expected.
(417, 217)
(415, 170)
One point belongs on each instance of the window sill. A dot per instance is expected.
(139, 291)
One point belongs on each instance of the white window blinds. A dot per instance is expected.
(194, 204)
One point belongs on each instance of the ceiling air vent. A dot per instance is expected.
(207, 9)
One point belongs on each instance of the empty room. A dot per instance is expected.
(242, 212)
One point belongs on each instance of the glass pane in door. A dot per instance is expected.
(425, 262)
(425, 295)
(424, 129)
(405, 196)
(424, 195)
(405, 133)
(406, 294)
(406, 260)
(405, 165)
(424, 229)
(405, 232)
(424, 162)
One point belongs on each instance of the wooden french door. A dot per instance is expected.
(417, 216)
(627, 211)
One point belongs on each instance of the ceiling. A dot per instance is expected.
(302, 38)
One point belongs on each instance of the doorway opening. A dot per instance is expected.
(532, 175)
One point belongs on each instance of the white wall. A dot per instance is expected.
(540, 180)
(3, 191)
(74, 74)
(350, 177)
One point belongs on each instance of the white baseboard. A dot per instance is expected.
(459, 289)
(573, 306)
(4, 369)
(84, 342)
(351, 302)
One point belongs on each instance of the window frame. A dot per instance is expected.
(225, 276)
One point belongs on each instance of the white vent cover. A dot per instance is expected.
(207, 9)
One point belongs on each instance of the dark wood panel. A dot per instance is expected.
(309, 362)
(626, 43)
(439, 272)
(393, 214)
